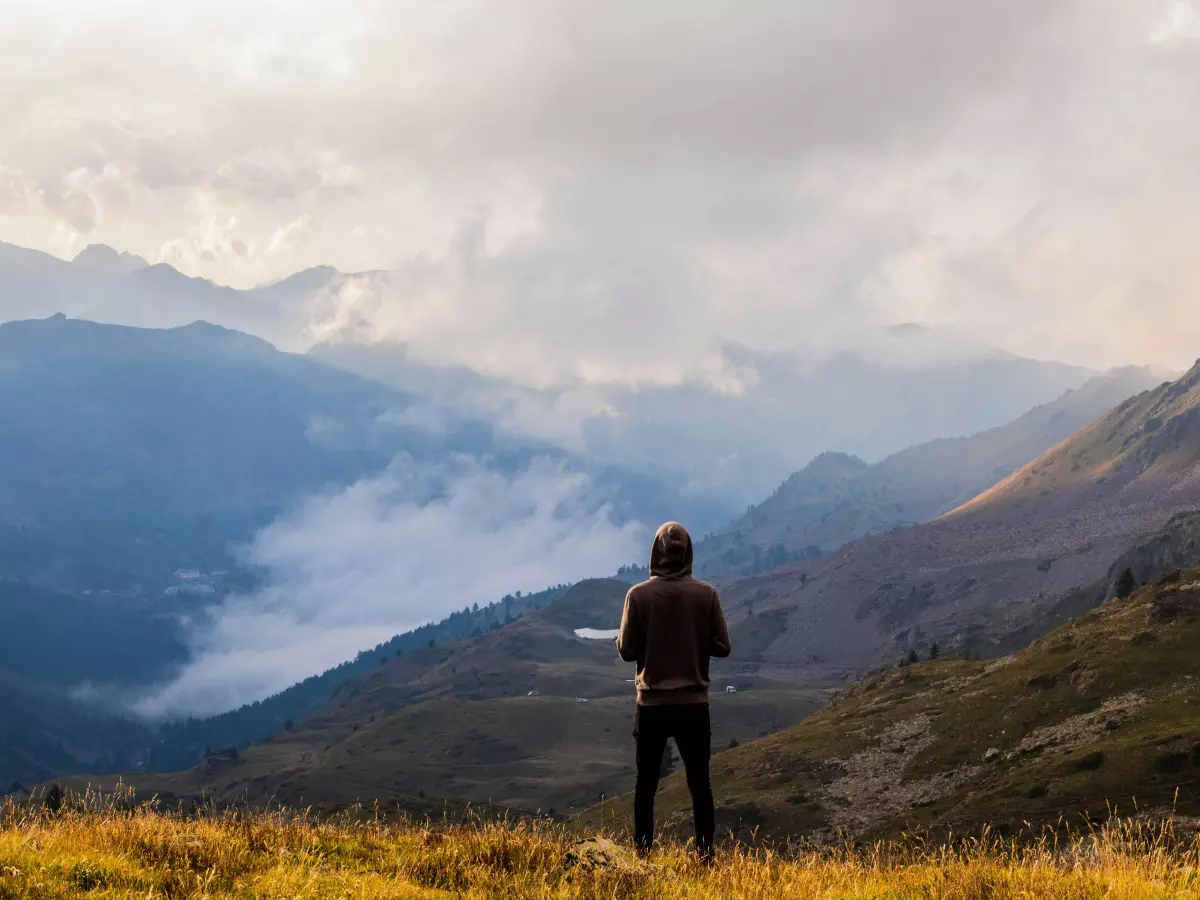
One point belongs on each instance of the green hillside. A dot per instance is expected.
(526, 715)
(1101, 714)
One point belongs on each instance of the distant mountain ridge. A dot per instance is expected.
(130, 453)
(1004, 567)
(1147, 442)
(870, 402)
(103, 259)
(887, 389)
(110, 286)
(838, 497)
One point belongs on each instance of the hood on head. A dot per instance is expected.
(671, 555)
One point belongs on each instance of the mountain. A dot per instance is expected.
(46, 734)
(526, 715)
(61, 641)
(837, 497)
(895, 389)
(1002, 568)
(873, 395)
(131, 453)
(1096, 718)
(105, 285)
(104, 260)
(1148, 444)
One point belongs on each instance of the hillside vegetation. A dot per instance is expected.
(43, 734)
(526, 715)
(1098, 716)
(180, 744)
(51, 642)
(141, 852)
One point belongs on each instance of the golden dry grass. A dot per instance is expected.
(100, 848)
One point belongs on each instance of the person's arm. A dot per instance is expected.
(630, 639)
(719, 644)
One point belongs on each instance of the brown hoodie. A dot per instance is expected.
(672, 624)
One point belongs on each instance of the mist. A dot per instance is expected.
(350, 569)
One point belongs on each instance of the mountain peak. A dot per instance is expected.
(103, 259)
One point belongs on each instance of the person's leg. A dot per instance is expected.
(694, 739)
(651, 741)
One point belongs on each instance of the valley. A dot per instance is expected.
(526, 716)
(978, 545)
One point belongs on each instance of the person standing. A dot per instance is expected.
(671, 626)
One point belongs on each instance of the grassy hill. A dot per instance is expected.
(277, 855)
(526, 715)
(180, 744)
(838, 498)
(1101, 714)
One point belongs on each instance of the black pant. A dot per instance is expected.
(689, 724)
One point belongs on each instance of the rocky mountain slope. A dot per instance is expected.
(1102, 715)
(1004, 567)
(838, 498)
(1148, 445)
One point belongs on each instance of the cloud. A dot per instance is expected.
(351, 569)
(604, 190)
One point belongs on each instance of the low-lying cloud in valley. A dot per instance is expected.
(350, 569)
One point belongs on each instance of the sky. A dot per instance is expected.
(606, 189)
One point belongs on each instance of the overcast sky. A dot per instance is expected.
(579, 180)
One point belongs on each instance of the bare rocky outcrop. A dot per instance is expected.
(1171, 601)
(873, 788)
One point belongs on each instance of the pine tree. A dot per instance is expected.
(933, 650)
(1125, 584)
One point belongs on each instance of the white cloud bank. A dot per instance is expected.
(389, 553)
(596, 189)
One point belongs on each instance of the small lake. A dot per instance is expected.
(597, 634)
